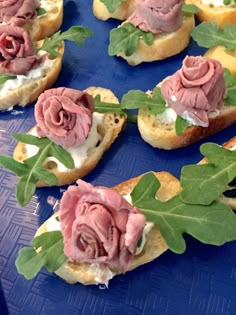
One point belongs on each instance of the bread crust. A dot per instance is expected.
(121, 13)
(109, 129)
(154, 246)
(164, 45)
(162, 135)
(29, 91)
(219, 14)
(48, 24)
(226, 57)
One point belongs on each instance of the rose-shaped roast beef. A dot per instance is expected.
(18, 12)
(17, 53)
(99, 226)
(195, 90)
(64, 116)
(157, 15)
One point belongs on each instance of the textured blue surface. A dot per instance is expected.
(201, 281)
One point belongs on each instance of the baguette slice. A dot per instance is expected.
(109, 129)
(163, 46)
(226, 197)
(226, 57)
(219, 14)
(46, 25)
(162, 135)
(154, 246)
(30, 90)
(122, 12)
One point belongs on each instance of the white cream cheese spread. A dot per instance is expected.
(33, 74)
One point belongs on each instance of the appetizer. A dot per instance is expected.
(69, 139)
(129, 225)
(195, 102)
(156, 30)
(41, 18)
(221, 12)
(27, 68)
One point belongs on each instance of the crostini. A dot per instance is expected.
(153, 32)
(129, 225)
(40, 18)
(193, 103)
(30, 68)
(220, 12)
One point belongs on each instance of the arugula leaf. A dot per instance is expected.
(5, 77)
(214, 224)
(31, 169)
(103, 107)
(75, 34)
(202, 184)
(215, 36)
(139, 99)
(230, 83)
(112, 5)
(180, 125)
(46, 251)
(41, 11)
(190, 9)
(126, 39)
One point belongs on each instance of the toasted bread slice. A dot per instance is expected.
(219, 14)
(31, 88)
(122, 12)
(109, 129)
(162, 135)
(226, 57)
(163, 46)
(47, 24)
(153, 248)
(229, 196)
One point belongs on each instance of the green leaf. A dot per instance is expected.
(202, 184)
(180, 125)
(25, 189)
(190, 9)
(126, 39)
(62, 155)
(30, 139)
(46, 176)
(138, 99)
(41, 11)
(230, 83)
(103, 107)
(32, 168)
(215, 36)
(16, 167)
(75, 34)
(214, 224)
(112, 5)
(147, 186)
(46, 251)
(5, 77)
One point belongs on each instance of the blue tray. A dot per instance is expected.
(201, 281)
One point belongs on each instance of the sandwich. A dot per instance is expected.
(69, 139)
(31, 67)
(220, 42)
(220, 12)
(100, 232)
(154, 31)
(39, 18)
(195, 102)
(106, 9)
